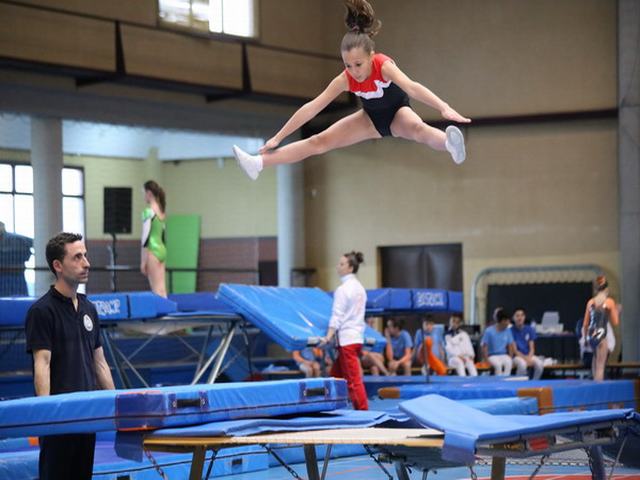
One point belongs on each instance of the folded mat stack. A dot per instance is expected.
(146, 409)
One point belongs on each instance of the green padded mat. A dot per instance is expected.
(183, 243)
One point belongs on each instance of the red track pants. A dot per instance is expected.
(347, 366)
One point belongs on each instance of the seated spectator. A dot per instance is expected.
(374, 361)
(460, 352)
(399, 347)
(498, 345)
(373, 357)
(524, 337)
(308, 361)
(429, 330)
(326, 355)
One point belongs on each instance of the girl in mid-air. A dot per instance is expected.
(384, 90)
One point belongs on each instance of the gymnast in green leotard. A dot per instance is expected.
(154, 252)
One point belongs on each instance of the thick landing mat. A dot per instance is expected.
(111, 307)
(560, 394)
(146, 409)
(373, 383)
(464, 427)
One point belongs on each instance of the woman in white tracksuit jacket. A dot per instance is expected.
(457, 345)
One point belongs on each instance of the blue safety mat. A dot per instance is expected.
(318, 421)
(145, 409)
(373, 383)
(566, 394)
(108, 465)
(111, 307)
(505, 406)
(201, 301)
(495, 406)
(398, 380)
(13, 310)
(194, 315)
(292, 317)
(465, 426)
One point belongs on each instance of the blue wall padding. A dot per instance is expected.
(13, 310)
(291, 317)
(414, 299)
(464, 426)
(400, 299)
(456, 302)
(198, 302)
(111, 306)
(103, 410)
(430, 299)
(567, 394)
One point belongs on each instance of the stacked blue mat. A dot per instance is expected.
(231, 407)
(146, 409)
(248, 408)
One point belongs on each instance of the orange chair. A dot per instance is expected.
(434, 362)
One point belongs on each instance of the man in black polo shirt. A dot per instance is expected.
(63, 334)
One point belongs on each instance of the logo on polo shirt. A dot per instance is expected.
(88, 323)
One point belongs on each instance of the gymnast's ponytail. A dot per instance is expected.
(355, 259)
(362, 25)
(158, 192)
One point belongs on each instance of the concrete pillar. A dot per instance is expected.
(154, 167)
(629, 173)
(291, 241)
(47, 162)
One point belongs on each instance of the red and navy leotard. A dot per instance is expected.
(380, 99)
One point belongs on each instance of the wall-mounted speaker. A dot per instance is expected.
(117, 210)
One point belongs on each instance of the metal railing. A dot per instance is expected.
(115, 270)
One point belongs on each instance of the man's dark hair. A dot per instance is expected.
(56, 247)
(502, 315)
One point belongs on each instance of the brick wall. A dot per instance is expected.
(232, 253)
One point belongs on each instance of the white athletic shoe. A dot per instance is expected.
(250, 164)
(455, 144)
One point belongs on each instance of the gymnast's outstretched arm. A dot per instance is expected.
(308, 111)
(417, 91)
